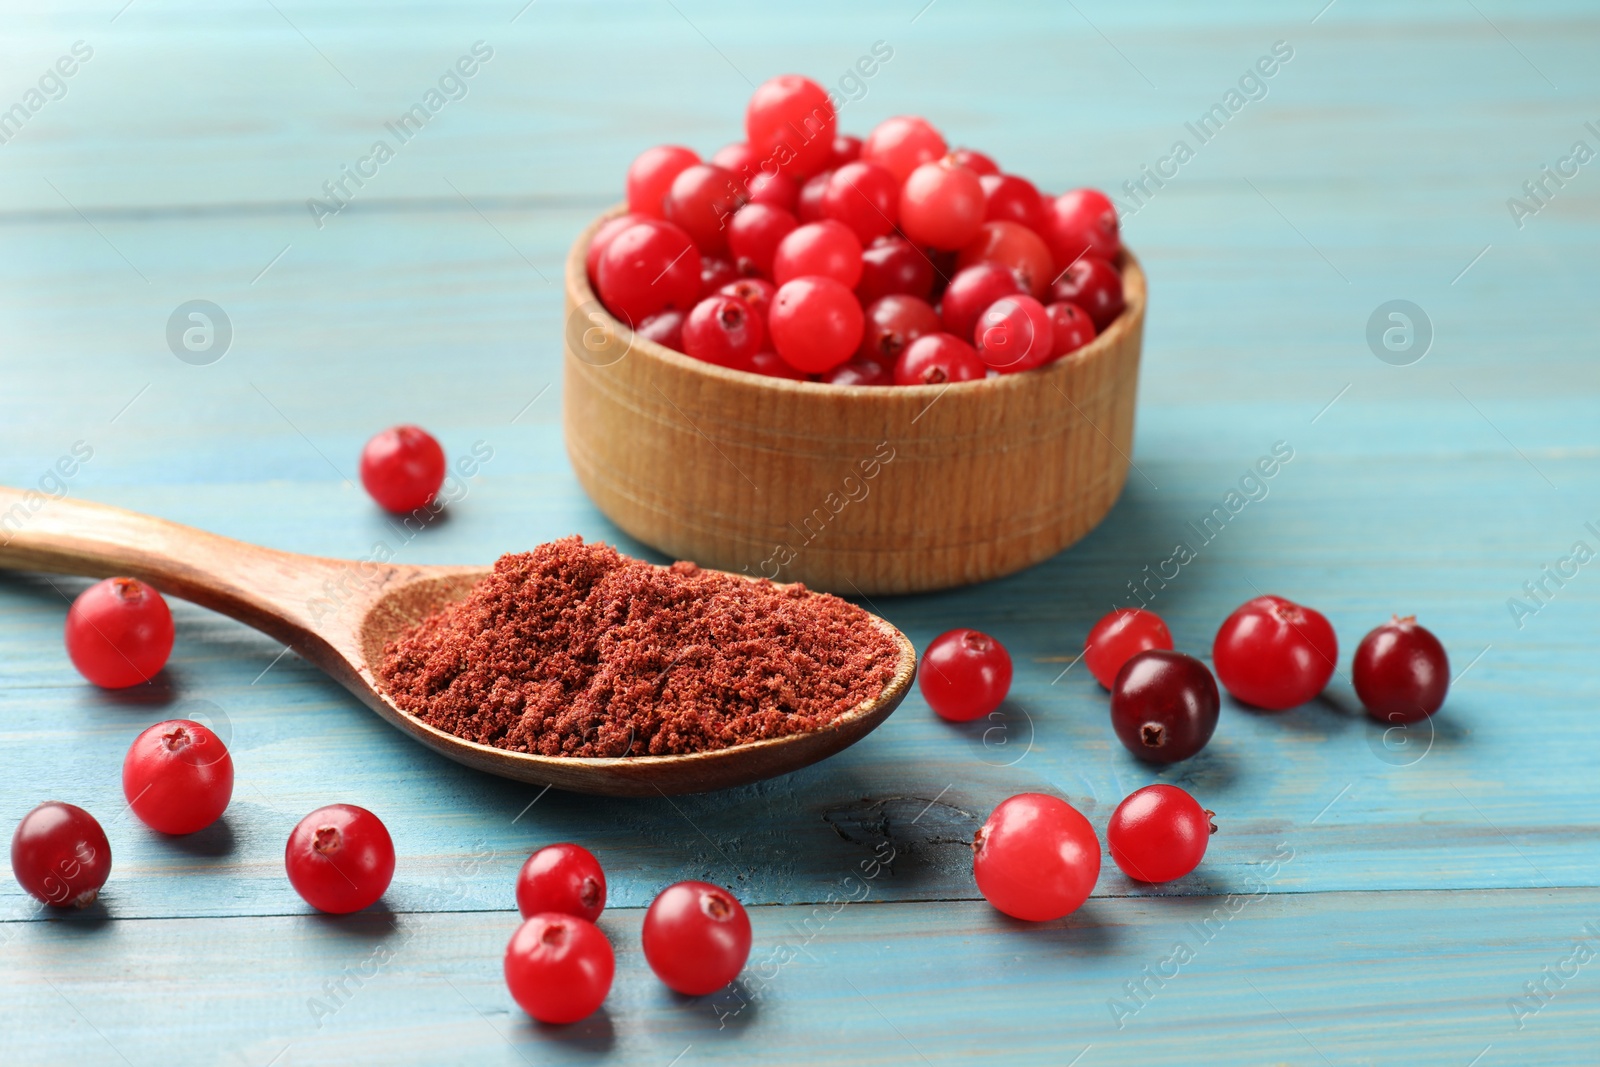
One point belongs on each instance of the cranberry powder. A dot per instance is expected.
(574, 649)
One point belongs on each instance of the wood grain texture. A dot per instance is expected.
(1377, 166)
(852, 489)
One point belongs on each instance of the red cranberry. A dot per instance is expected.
(964, 674)
(1159, 833)
(1080, 221)
(1120, 635)
(936, 358)
(1071, 328)
(775, 188)
(1015, 334)
(715, 272)
(1008, 198)
(808, 208)
(1015, 247)
(602, 237)
(772, 365)
(1401, 672)
(892, 323)
(701, 201)
(60, 855)
(902, 144)
(827, 248)
(815, 323)
(865, 197)
(860, 372)
(650, 266)
(559, 967)
(1095, 286)
(340, 858)
(846, 149)
(1036, 858)
(402, 468)
(739, 160)
(1164, 705)
(650, 175)
(664, 328)
(119, 633)
(696, 937)
(1274, 654)
(757, 292)
(754, 233)
(562, 878)
(894, 265)
(973, 160)
(723, 330)
(791, 122)
(178, 777)
(971, 292)
(941, 206)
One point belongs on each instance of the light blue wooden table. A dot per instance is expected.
(1370, 899)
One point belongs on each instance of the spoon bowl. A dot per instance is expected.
(339, 614)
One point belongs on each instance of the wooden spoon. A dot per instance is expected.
(339, 614)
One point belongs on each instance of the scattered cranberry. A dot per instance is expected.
(1071, 328)
(1015, 334)
(1401, 672)
(701, 201)
(649, 267)
(757, 292)
(846, 149)
(1164, 705)
(119, 633)
(754, 234)
(941, 206)
(178, 777)
(860, 372)
(971, 292)
(775, 188)
(892, 323)
(894, 265)
(723, 330)
(1036, 858)
(964, 674)
(1015, 247)
(562, 878)
(865, 197)
(772, 365)
(1274, 654)
(828, 249)
(815, 323)
(1159, 833)
(696, 937)
(936, 358)
(1008, 198)
(1095, 286)
(790, 121)
(902, 144)
(402, 468)
(650, 175)
(808, 208)
(715, 272)
(602, 237)
(1081, 221)
(60, 855)
(340, 858)
(664, 328)
(1121, 634)
(559, 967)
(973, 160)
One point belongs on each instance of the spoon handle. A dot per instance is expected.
(275, 592)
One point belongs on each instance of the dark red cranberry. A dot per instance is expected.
(1095, 286)
(1401, 672)
(894, 265)
(715, 272)
(893, 322)
(1164, 706)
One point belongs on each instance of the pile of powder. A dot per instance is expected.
(576, 650)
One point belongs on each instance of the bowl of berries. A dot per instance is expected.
(874, 365)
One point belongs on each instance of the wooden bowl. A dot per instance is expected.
(856, 490)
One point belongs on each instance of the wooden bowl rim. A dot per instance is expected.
(581, 293)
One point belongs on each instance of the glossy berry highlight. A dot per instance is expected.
(60, 855)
